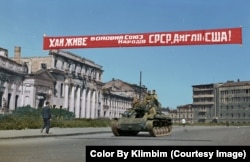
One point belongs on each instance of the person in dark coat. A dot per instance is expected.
(46, 115)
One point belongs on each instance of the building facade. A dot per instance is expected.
(66, 80)
(204, 102)
(222, 102)
(12, 88)
(182, 112)
(234, 102)
(77, 84)
(118, 96)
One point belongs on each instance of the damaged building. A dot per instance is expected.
(66, 80)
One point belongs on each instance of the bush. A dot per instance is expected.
(21, 118)
(28, 117)
(62, 114)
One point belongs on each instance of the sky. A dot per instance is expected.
(170, 70)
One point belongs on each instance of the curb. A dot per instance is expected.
(52, 135)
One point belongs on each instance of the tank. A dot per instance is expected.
(136, 120)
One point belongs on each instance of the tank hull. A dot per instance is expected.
(160, 125)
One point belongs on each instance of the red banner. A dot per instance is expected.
(194, 37)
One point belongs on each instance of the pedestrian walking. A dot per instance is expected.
(183, 121)
(46, 115)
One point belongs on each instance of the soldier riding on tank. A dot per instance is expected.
(144, 115)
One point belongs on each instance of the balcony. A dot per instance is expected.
(203, 103)
(203, 96)
(202, 110)
(203, 89)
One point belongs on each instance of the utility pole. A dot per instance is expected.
(140, 88)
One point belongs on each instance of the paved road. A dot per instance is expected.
(69, 144)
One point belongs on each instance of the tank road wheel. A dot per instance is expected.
(169, 129)
(162, 130)
(154, 132)
(165, 130)
(150, 128)
(158, 131)
(114, 127)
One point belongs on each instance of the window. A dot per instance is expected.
(43, 65)
(55, 64)
(55, 89)
(61, 90)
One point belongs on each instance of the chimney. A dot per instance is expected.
(17, 55)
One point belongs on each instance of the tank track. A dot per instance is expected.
(159, 128)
